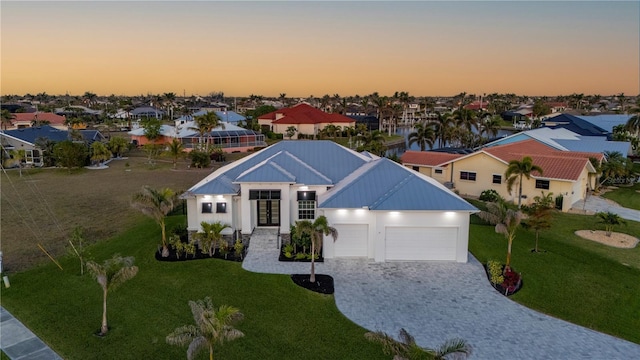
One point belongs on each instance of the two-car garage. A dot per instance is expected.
(406, 237)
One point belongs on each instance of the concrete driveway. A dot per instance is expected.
(436, 301)
(596, 204)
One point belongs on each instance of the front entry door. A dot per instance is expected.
(268, 212)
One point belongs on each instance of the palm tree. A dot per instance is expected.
(424, 135)
(99, 152)
(373, 142)
(6, 118)
(610, 220)
(211, 235)
(540, 214)
(506, 221)
(491, 126)
(516, 170)
(318, 230)
(118, 145)
(18, 155)
(443, 126)
(633, 124)
(156, 204)
(213, 326)
(206, 123)
(175, 150)
(111, 274)
(407, 349)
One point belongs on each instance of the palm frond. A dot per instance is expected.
(457, 347)
(182, 336)
(390, 346)
(197, 345)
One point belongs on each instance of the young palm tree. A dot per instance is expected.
(18, 155)
(540, 214)
(213, 327)
(318, 230)
(6, 118)
(373, 142)
(516, 170)
(100, 152)
(118, 145)
(610, 220)
(156, 204)
(111, 274)
(407, 349)
(211, 235)
(506, 221)
(424, 135)
(206, 123)
(176, 151)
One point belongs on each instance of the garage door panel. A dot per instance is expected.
(352, 240)
(421, 243)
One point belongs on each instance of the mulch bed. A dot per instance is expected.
(323, 284)
(231, 256)
(504, 289)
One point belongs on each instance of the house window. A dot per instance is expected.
(542, 184)
(264, 194)
(306, 195)
(207, 207)
(306, 209)
(497, 179)
(438, 171)
(467, 175)
(416, 168)
(221, 207)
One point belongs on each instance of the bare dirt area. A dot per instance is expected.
(44, 205)
(616, 239)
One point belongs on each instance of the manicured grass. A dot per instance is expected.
(282, 320)
(578, 280)
(3, 356)
(627, 196)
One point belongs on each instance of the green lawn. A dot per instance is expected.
(578, 280)
(282, 320)
(627, 196)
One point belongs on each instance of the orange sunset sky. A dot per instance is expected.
(315, 48)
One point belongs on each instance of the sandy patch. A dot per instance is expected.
(616, 239)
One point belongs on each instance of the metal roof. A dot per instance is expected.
(595, 145)
(607, 121)
(385, 185)
(31, 134)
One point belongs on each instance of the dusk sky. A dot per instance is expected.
(314, 48)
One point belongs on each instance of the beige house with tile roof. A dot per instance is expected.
(565, 173)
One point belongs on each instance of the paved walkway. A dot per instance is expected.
(18, 342)
(596, 204)
(436, 301)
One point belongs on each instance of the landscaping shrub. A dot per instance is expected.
(490, 195)
(199, 159)
(495, 272)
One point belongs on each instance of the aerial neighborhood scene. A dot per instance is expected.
(320, 180)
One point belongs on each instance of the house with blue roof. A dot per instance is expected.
(27, 138)
(382, 210)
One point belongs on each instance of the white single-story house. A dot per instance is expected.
(382, 210)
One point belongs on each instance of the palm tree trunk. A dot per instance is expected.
(104, 328)
(520, 192)
(312, 278)
(508, 262)
(536, 250)
(210, 352)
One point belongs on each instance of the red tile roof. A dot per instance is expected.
(52, 118)
(305, 114)
(427, 158)
(564, 165)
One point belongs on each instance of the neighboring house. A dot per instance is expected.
(229, 137)
(230, 117)
(146, 112)
(565, 173)
(370, 121)
(575, 124)
(26, 139)
(382, 211)
(25, 120)
(304, 118)
(566, 140)
(607, 121)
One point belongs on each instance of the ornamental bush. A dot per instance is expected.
(495, 272)
(490, 195)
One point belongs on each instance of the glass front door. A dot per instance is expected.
(268, 212)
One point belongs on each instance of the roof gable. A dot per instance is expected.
(427, 158)
(29, 135)
(304, 114)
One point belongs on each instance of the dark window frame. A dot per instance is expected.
(468, 175)
(497, 177)
(543, 184)
(221, 207)
(207, 208)
(307, 209)
(438, 171)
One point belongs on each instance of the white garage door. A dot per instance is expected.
(352, 240)
(421, 243)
